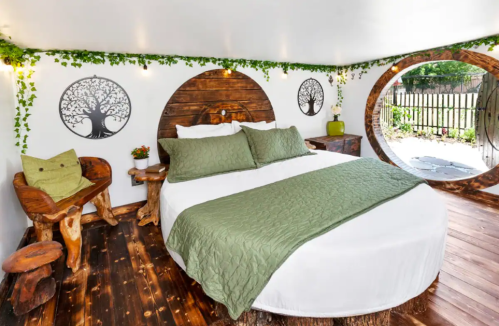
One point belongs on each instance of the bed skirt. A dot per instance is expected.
(415, 305)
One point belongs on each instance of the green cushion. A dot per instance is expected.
(274, 145)
(202, 157)
(60, 176)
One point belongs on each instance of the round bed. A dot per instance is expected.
(375, 262)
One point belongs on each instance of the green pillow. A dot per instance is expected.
(194, 158)
(268, 146)
(60, 176)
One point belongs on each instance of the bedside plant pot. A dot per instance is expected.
(335, 128)
(142, 163)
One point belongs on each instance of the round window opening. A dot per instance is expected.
(437, 117)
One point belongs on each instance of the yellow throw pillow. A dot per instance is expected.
(60, 176)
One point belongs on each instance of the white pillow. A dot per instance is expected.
(262, 125)
(203, 131)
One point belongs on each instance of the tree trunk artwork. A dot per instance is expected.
(310, 95)
(94, 104)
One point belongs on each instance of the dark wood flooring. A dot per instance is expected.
(128, 278)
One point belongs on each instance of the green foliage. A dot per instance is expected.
(407, 127)
(469, 135)
(453, 133)
(455, 72)
(399, 113)
(24, 58)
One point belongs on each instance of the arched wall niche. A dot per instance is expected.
(373, 127)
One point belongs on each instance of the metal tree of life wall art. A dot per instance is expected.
(310, 97)
(95, 107)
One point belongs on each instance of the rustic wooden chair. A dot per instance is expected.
(44, 212)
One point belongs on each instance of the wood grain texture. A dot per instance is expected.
(103, 204)
(128, 269)
(33, 256)
(30, 292)
(213, 97)
(346, 144)
(373, 126)
(117, 212)
(71, 232)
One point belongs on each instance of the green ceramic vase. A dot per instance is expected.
(335, 128)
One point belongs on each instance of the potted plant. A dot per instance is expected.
(141, 157)
(335, 127)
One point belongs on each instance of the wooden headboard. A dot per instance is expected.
(214, 97)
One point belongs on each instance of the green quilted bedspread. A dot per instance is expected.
(232, 245)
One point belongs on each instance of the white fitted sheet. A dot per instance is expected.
(377, 261)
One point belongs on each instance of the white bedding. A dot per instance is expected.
(377, 261)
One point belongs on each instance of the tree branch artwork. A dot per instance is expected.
(310, 97)
(93, 104)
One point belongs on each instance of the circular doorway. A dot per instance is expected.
(375, 103)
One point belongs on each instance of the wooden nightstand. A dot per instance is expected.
(150, 212)
(346, 144)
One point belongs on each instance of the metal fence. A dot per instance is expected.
(430, 112)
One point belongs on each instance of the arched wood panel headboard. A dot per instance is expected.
(214, 97)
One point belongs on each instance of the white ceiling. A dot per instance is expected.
(307, 31)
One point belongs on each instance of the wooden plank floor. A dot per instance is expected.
(128, 278)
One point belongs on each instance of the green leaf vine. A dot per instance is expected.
(23, 61)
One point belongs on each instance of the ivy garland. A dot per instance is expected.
(21, 58)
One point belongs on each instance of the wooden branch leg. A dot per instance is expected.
(143, 212)
(43, 231)
(103, 204)
(153, 191)
(71, 232)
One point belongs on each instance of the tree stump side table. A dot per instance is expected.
(150, 212)
(34, 286)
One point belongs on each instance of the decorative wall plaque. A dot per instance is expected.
(310, 97)
(95, 107)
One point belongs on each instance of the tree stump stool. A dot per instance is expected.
(34, 286)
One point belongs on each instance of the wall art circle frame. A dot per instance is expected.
(301, 97)
(375, 101)
(104, 131)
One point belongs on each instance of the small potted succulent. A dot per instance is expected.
(335, 127)
(141, 157)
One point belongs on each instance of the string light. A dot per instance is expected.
(144, 70)
(395, 68)
(5, 65)
(284, 74)
(229, 71)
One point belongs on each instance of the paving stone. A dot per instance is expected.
(453, 172)
(432, 175)
(462, 165)
(420, 165)
(434, 160)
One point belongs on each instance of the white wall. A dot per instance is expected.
(355, 94)
(149, 95)
(12, 218)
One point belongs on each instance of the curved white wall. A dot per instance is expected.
(12, 219)
(149, 95)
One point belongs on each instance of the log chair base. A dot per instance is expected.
(262, 318)
(70, 226)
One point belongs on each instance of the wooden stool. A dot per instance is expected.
(44, 212)
(150, 212)
(34, 286)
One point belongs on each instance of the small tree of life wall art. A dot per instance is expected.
(95, 107)
(310, 97)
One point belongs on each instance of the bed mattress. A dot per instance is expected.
(377, 261)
